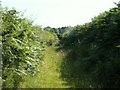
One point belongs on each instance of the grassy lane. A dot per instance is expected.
(49, 75)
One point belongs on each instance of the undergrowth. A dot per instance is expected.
(49, 74)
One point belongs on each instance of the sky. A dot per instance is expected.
(58, 13)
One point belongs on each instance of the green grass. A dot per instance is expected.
(49, 75)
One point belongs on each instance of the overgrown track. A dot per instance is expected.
(49, 76)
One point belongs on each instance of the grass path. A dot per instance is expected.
(49, 75)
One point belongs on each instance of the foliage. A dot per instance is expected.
(93, 52)
(59, 31)
(91, 58)
(22, 47)
(49, 76)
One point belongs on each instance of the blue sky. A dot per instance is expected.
(58, 13)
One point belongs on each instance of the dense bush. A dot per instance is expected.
(23, 46)
(93, 56)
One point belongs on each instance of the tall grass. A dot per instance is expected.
(49, 75)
